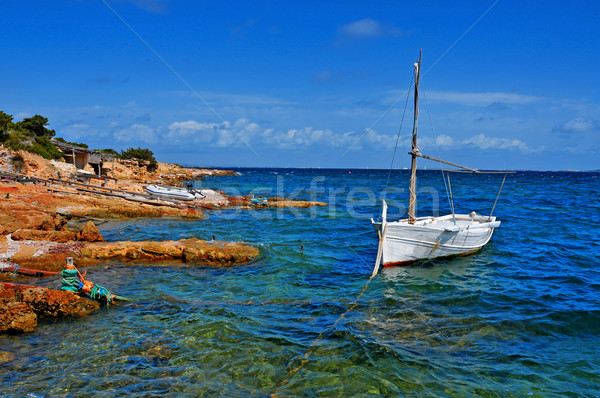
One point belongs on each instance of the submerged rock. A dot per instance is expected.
(6, 356)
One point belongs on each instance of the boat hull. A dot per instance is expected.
(431, 238)
(169, 192)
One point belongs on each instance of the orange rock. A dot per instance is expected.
(26, 252)
(89, 233)
(52, 235)
(186, 250)
(55, 223)
(295, 203)
(17, 317)
(58, 303)
(21, 305)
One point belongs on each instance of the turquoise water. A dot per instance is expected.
(519, 318)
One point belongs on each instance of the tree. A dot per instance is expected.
(5, 119)
(37, 125)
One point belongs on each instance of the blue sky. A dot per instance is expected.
(505, 84)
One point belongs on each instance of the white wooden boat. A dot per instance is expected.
(164, 191)
(411, 239)
(433, 237)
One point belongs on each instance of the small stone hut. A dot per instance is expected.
(81, 157)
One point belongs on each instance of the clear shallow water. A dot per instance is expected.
(519, 318)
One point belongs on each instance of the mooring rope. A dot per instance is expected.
(311, 347)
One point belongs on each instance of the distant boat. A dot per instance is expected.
(168, 192)
(412, 239)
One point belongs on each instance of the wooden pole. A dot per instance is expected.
(419, 154)
(412, 200)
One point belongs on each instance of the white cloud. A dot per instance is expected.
(484, 142)
(480, 141)
(241, 132)
(309, 137)
(444, 141)
(76, 130)
(223, 134)
(361, 29)
(20, 116)
(229, 134)
(580, 125)
(482, 99)
(366, 28)
(191, 131)
(137, 132)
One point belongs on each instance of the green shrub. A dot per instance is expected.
(45, 148)
(40, 150)
(138, 153)
(36, 125)
(5, 121)
(152, 166)
(141, 154)
(108, 151)
(16, 140)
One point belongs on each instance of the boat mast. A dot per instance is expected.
(412, 201)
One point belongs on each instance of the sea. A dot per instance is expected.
(519, 318)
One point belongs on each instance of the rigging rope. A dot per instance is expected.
(437, 148)
(497, 196)
(451, 200)
(398, 136)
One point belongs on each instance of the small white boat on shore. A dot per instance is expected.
(163, 191)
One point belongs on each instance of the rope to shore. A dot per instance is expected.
(304, 359)
(14, 272)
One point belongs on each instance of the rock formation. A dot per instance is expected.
(21, 306)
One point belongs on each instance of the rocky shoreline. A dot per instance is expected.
(35, 231)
